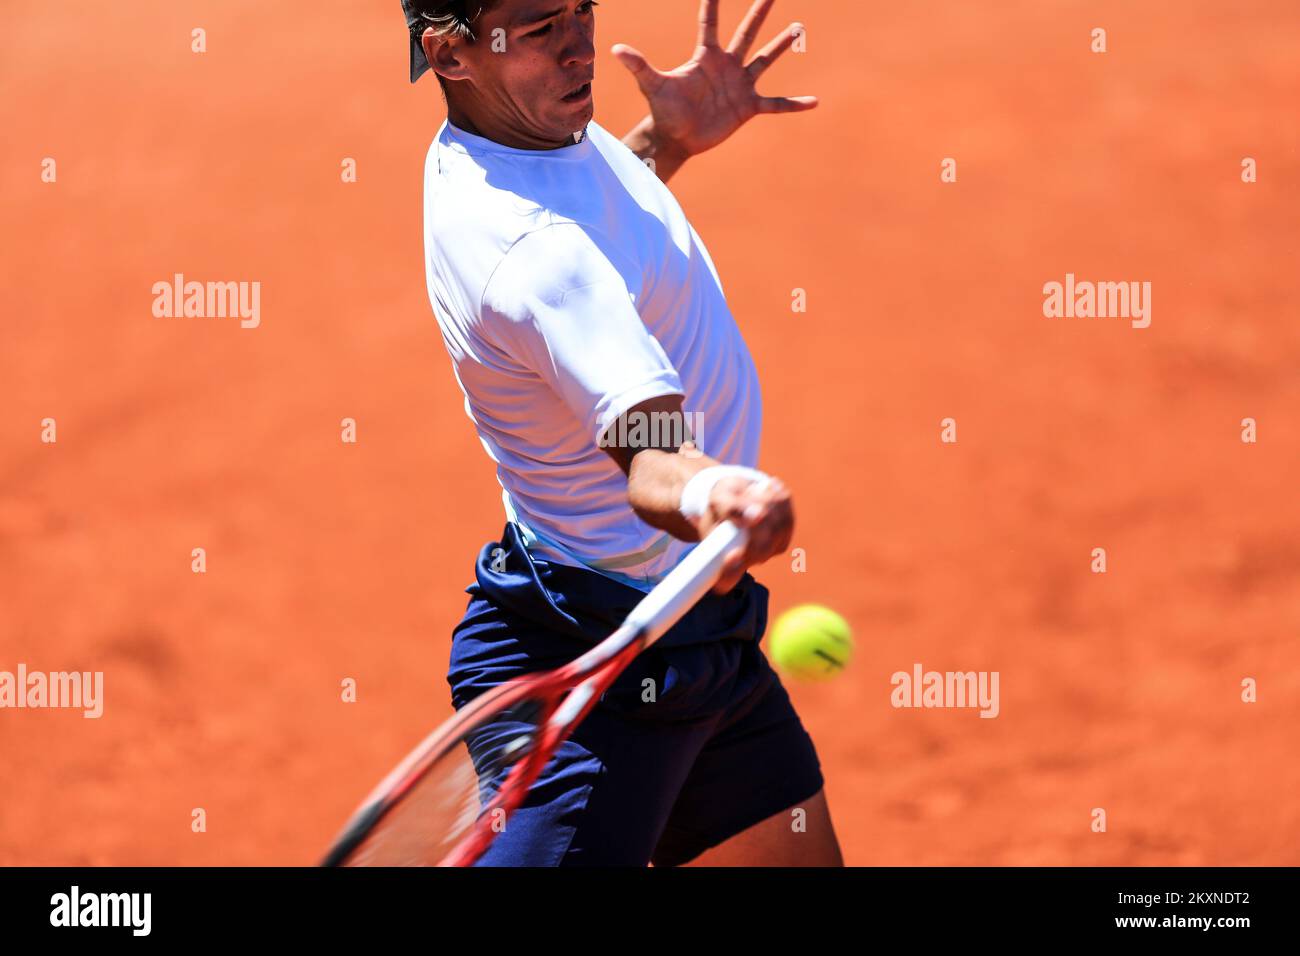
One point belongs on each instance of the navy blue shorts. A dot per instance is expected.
(694, 743)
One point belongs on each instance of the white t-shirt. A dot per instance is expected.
(570, 288)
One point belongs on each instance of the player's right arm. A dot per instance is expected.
(658, 471)
(558, 304)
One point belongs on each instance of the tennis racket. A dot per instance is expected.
(446, 802)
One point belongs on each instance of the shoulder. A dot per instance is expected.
(551, 261)
(614, 150)
(467, 196)
(508, 228)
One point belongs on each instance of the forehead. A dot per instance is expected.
(514, 13)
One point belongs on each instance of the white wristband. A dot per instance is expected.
(695, 496)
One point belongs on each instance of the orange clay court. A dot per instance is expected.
(329, 561)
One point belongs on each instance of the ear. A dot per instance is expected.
(444, 55)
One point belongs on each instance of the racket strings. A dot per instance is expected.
(460, 791)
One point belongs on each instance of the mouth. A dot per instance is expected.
(581, 94)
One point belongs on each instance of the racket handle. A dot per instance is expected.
(687, 583)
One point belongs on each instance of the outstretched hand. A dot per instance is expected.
(702, 102)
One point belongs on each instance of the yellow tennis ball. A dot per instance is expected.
(811, 642)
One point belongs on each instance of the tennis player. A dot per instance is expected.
(608, 381)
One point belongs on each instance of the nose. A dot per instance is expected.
(580, 45)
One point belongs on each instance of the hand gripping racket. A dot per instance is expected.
(447, 801)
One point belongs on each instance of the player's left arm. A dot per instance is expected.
(702, 102)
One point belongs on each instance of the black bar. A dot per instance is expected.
(872, 905)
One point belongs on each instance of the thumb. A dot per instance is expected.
(647, 77)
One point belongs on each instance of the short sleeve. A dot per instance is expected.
(559, 305)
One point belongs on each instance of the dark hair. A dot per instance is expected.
(450, 18)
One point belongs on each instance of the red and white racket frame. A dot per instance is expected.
(570, 693)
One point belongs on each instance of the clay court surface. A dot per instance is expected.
(329, 561)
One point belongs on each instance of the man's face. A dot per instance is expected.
(530, 70)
